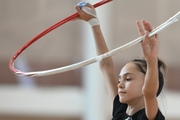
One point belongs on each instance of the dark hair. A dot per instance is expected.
(142, 67)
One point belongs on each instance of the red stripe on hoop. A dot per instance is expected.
(11, 63)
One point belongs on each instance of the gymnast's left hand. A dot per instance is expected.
(150, 45)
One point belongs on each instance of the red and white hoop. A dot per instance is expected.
(173, 19)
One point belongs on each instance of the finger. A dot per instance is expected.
(146, 35)
(147, 25)
(78, 10)
(145, 41)
(89, 5)
(140, 29)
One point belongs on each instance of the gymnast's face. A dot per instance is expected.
(130, 84)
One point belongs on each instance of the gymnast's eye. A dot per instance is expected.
(128, 79)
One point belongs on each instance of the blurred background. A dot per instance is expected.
(79, 94)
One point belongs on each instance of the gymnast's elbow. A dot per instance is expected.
(149, 92)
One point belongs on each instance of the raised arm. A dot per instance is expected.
(150, 48)
(106, 65)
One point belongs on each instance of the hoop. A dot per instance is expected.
(170, 21)
(69, 18)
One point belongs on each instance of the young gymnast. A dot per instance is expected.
(134, 93)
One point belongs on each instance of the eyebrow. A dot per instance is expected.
(126, 74)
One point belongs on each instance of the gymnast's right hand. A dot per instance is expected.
(87, 13)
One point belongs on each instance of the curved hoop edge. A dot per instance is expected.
(12, 60)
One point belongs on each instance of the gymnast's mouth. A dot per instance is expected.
(122, 92)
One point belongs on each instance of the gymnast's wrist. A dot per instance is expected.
(93, 22)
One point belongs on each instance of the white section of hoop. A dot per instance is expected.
(170, 21)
